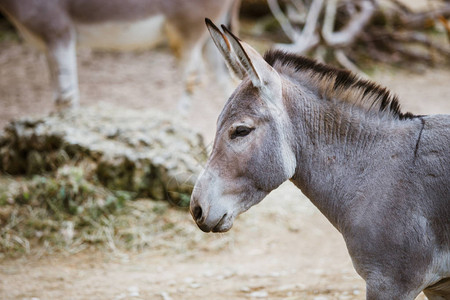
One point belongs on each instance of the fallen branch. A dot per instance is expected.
(308, 38)
(285, 24)
(351, 31)
(345, 30)
(347, 63)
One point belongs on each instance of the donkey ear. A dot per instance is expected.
(262, 75)
(224, 47)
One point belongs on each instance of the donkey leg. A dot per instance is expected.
(61, 58)
(384, 288)
(192, 65)
(391, 294)
(432, 296)
(439, 291)
(187, 44)
(193, 68)
(221, 73)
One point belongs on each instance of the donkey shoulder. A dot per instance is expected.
(433, 163)
(433, 144)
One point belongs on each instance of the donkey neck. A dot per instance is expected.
(340, 150)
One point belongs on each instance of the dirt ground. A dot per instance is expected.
(281, 249)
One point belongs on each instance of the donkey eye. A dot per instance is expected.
(241, 131)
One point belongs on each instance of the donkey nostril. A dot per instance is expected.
(197, 213)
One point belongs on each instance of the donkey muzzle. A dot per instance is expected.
(207, 219)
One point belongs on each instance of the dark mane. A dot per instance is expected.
(341, 80)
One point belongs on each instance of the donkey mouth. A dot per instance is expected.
(221, 226)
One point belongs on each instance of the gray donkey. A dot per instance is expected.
(381, 177)
(58, 26)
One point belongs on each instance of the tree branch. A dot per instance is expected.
(308, 38)
(283, 20)
(351, 31)
(347, 63)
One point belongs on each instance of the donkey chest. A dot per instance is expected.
(439, 269)
(122, 35)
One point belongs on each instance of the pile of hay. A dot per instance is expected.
(69, 170)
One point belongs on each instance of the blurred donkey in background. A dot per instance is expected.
(57, 26)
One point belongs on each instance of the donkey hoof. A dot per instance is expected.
(64, 104)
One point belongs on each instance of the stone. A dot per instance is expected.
(259, 294)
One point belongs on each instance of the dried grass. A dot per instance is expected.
(67, 213)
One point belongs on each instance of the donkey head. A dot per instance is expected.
(252, 152)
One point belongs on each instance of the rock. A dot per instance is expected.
(189, 280)
(208, 274)
(259, 294)
(120, 296)
(165, 296)
(356, 292)
(148, 153)
(133, 291)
